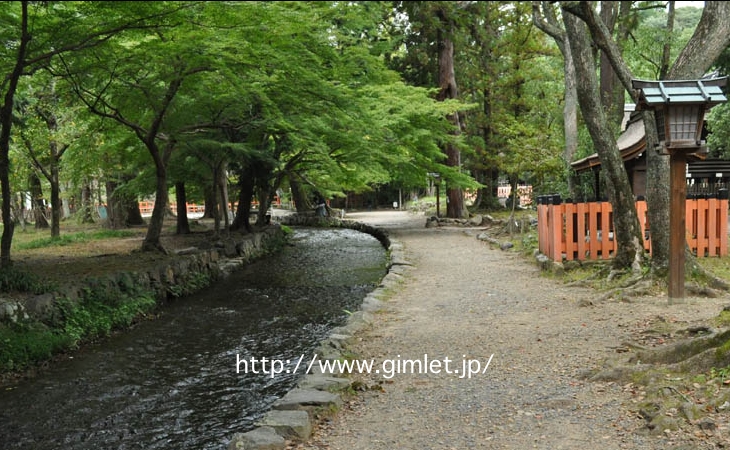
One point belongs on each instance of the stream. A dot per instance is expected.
(171, 382)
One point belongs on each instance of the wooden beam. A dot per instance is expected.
(677, 223)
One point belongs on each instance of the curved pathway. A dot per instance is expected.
(463, 300)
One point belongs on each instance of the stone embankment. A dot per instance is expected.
(193, 268)
(292, 417)
(187, 270)
(309, 220)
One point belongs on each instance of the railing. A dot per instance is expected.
(705, 189)
(524, 192)
(580, 231)
(146, 207)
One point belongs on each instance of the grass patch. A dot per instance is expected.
(194, 281)
(13, 279)
(95, 316)
(28, 343)
(722, 320)
(73, 238)
(720, 267)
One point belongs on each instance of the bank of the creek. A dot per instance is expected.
(171, 382)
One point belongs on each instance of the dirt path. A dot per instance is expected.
(464, 300)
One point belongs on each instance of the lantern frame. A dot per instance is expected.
(679, 109)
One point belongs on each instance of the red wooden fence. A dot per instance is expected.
(145, 207)
(585, 230)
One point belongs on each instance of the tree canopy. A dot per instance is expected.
(113, 102)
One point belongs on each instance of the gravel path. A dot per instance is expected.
(464, 300)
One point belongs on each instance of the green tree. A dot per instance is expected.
(138, 79)
(629, 243)
(58, 28)
(47, 127)
(710, 38)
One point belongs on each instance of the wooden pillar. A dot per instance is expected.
(438, 200)
(677, 223)
(597, 184)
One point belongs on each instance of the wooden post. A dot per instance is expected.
(677, 223)
(438, 200)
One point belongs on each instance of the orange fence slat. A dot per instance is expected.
(571, 233)
(712, 226)
(590, 231)
(581, 213)
(698, 233)
(722, 231)
(690, 214)
(542, 229)
(555, 218)
(585, 230)
(607, 242)
(641, 213)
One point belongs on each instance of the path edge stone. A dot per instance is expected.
(314, 390)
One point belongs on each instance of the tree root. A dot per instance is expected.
(632, 288)
(153, 247)
(676, 391)
(703, 291)
(586, 282)
(712, 281)
(694, 355)
(683, 350)
(640, 285)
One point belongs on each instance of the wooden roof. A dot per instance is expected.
(705, 91)
(631, 144)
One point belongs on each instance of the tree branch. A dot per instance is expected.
(602, 38)
(710, 38)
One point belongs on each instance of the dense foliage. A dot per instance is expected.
(108, 103)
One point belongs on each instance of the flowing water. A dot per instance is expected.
(171, 382)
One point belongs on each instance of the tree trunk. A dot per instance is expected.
(219, 199)
(264, 194)
(87, 205)
(114, 207)
(133, 215)
(215, 202)
(657, 198)
(210, 210)
(6, 122)
(182, 224)
(570, 116)
(68, 205)
(545, 19)
(667, 47)
(629, 253)
(223, 188)
(448, 90)
(20, 215)
(154, 229)
(55, 201)
(710, 38)
(39, 203)
(56, 151)
(242, 221)
(610, 85)
(487, 196)
(299, 197)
